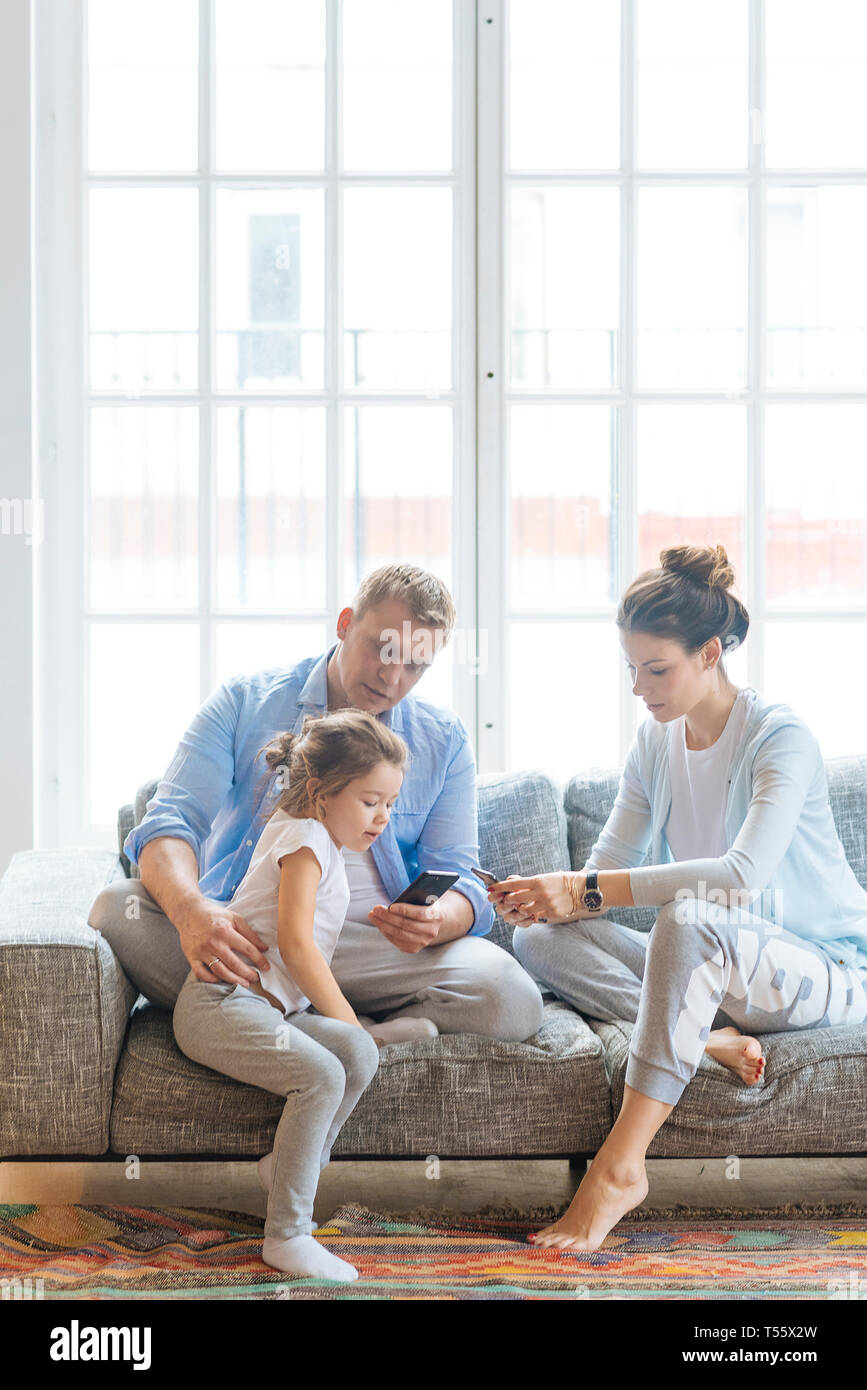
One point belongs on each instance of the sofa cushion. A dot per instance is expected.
(522, 830)
(460, 1094)
(812, 1099)
(847, 793)
(64, 1002)
(587, 800)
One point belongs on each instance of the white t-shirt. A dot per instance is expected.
(366, 887)
(257, 895)
(695, 828)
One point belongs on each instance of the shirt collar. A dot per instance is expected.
(314, 692)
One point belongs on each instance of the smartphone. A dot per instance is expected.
(486, 877)
(427, 888)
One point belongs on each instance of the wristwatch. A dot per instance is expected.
(592, 895)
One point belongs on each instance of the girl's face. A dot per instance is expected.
(669, 680)
(357, 815)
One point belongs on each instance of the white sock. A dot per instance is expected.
(400, 1029)
(303, 1255)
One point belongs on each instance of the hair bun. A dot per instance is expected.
(704, 564)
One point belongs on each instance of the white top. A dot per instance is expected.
(366, 887)
(256, 897)
(699, 787)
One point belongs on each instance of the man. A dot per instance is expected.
(422, 969)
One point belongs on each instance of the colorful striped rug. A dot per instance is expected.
(114, 1252)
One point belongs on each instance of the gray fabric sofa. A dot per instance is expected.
(90, 1069)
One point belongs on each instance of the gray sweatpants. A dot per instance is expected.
(469, 985)
(702, 965)
(321, 1065)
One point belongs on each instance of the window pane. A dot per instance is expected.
(798, 658)
(242, 648)
(692, 84)
(816, 503)
(817, 289)
(397, 57)
(398, 489)
(270, 289)
(270, 84)
(270, 519)
(398, 287)
(816, 101)
(562, 469)
(144, 289)
(692, 287)
(564, 83)
(576, 666)
(144, 483)
(142, 83)
(137, 717)
(565, 294)
(691, 480)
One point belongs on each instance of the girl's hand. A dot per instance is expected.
(545, 898)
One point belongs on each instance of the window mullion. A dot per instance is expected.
(333, 314)
(626, 537)
(207, 540)
(754, 596)
(491, 431)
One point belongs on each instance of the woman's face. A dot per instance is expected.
(666, 677)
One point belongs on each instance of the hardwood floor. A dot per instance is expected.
(465, 1185)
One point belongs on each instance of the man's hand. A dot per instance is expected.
(408, 926)
(210, 932)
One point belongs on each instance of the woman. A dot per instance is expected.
(759, 915)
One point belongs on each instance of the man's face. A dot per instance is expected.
(383, 655)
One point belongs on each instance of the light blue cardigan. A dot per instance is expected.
(784, 863)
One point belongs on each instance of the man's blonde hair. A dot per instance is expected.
(427, 598)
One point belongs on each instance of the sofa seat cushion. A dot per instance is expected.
(522, 830)
(458, 1095)
(812, 1100)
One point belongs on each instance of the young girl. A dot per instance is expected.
(344, 773)
(759, 914)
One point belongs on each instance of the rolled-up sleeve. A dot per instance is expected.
(197, 780)
(449, 840)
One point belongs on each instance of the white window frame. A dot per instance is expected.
(494, 181)
(63, 181)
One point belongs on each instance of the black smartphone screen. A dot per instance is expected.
(427, 888)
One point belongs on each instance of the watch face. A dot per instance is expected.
(592, 899)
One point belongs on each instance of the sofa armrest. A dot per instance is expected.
(64, 1004)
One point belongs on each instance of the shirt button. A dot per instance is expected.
(249, 842)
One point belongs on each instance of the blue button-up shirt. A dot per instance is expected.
(215, 786)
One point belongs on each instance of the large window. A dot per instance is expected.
(674, 348)
(520, 292)
(269, 386)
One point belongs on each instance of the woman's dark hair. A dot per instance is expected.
(335, 747)
(687, 600)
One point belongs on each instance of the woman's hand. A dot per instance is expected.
(545, 898)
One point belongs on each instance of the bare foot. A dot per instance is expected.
(607, 1192)
(741, 1054)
